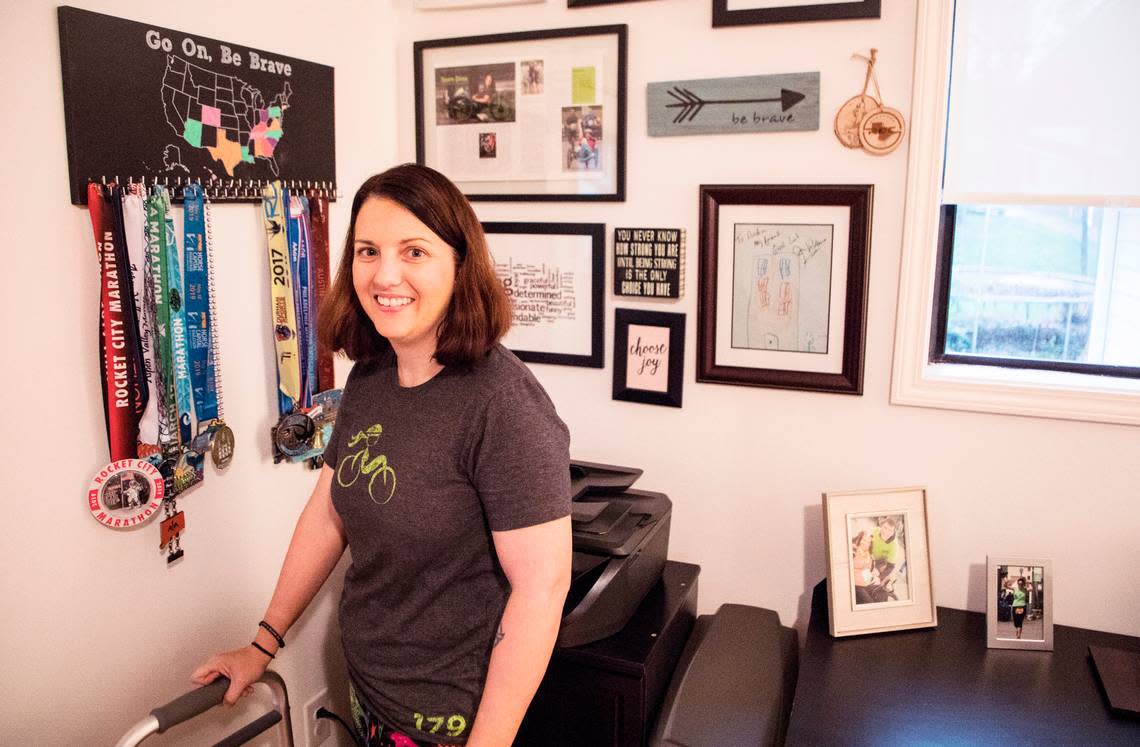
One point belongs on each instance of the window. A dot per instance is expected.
(1020, 287)
(1050, 287)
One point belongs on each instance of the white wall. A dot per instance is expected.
(95, 629)
(745, 467)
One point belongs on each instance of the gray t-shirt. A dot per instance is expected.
(422, 476)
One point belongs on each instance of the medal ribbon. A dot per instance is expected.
(178, 343)
(120, 352)
(97, 208)
(319, 227)
(196, 300)
(134, 219)
(157, 259)
(130, 312)
(282, 312)
(300, 265)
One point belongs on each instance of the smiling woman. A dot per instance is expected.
(432, 219)
(448, 475)
(404, 277)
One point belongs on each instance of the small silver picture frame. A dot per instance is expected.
(1019, 606)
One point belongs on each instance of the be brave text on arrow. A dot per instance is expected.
(760, 103)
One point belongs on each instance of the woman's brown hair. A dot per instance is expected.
(479, 312)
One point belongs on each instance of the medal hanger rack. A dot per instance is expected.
(228, 190)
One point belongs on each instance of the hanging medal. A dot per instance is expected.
(864, 122)
(199, 326)
(172, 527)
(319, 234)
(222, 448)
(127, 491)
(294, 427)
(119, 346)
(188, 466)
(134, 221)
(158, 260)
(305, 416)
(326, 402)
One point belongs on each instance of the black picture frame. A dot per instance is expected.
(854, 203)
(722, 16)
(675, 323)
(593, 297)
(591, 3)
(606, 40)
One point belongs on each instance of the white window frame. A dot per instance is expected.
(914, 379)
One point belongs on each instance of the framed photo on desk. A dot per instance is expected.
(878, 561)
(1019, 606)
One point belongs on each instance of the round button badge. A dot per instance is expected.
(882, 131)
(126, 493)
(849, 119)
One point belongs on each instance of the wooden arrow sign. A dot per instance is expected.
(757, 103)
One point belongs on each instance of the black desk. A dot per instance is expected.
(607, 693)
(943, 686)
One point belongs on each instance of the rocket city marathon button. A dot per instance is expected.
(126, 493)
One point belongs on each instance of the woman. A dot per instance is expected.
(867, 590)
(1020, 603)
(447, 475)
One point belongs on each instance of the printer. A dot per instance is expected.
(621, 539)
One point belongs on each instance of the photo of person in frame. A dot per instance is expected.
(878, 559)
(487, 145)
(531, 76)
(582, 138)
(475, 93)
(1021, 595)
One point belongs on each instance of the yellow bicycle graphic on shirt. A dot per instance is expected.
(361, 462)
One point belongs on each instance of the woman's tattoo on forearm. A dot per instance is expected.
(500, 635)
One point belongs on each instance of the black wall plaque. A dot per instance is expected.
(143, 101)
(649, 262)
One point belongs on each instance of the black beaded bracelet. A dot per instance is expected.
(276, 636)
(262, 649)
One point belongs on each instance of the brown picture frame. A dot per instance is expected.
(823, 234)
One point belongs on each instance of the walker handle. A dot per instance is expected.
(191, 704)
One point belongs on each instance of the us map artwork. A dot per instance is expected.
(540, 295)
(781, 287)
(197, 109)
(222, 114)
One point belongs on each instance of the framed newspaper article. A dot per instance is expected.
(535, 115)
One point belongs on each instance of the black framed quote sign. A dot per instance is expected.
(554, 274)
(533, 115)
(649, 350)
(649, 262)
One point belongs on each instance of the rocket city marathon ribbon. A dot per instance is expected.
(120, 353)
(123, 493)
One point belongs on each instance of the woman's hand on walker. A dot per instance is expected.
(243, 666)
